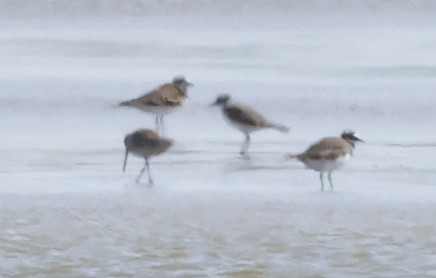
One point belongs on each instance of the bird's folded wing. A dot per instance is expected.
(332, 154)
(244, 115)
(145, 137)
(167, 95)
(317, 152)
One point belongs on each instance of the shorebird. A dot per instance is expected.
(329, 154)
(162, 100)
(245, 119)
(144, 143)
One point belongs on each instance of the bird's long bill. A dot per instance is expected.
(213, 104)
(355, 137)
(358, 139)
(125, 160)
(190, 84)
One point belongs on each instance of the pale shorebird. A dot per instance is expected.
(244, 119)
(329, 154)
(144, 143)
(162, 100)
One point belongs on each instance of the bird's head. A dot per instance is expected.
(181, 82)
(350, 136)
(221, 100)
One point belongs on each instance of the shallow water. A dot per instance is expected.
(213, 214)
(66, 209)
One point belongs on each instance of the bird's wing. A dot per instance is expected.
(165, 95)
(324, 149)
(244, 115)
(145, 138)
(168, 95)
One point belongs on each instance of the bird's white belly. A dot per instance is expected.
(326, 165)
(158, 110)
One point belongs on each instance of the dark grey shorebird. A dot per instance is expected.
(145, 143)
(162, 100)
(245, 119)
(329, 154)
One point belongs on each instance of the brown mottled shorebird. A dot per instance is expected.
(329, 154)
(145, 143)
(244, 119)
(162, 100)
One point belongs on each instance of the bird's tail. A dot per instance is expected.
(281, 128)
(120, 104)
(293, 156)
(125, 103)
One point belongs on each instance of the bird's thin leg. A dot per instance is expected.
(330, 180)
(245, 145)
(125, 160)
(162, 126)
(142, 171)
(321, 178)
(150, 180)
(156, 120)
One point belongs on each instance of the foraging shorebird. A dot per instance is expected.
(244, 119)
(162, 100)
(329, 154)
(144, 143)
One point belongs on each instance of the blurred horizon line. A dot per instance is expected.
(137, 8)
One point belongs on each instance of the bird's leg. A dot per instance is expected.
(142, 171)
(330, 180)
(150, 180)
(156, 120)
(161, 121)
(321, 178)
(125, 160)
(245, 145)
